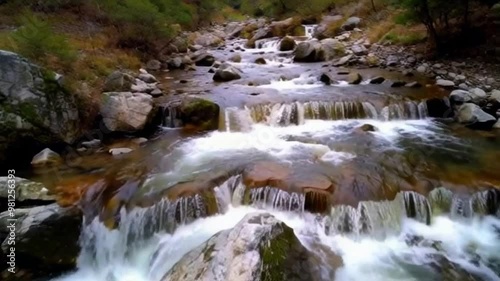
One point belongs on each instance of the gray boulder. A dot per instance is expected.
(477, 94)
(359, 50)
(46, 157)
(25, 190)
(118, 81)
(354, 78)
(146, 77)
(321, 31)
(377, 80)
(445, 83)
(474, 117)
(208, 39)
(351, 23)
(202, 58)
(235, 58)
(495, 95)
(460, 97)
(226, 72)
(153, 65)
(287, 44)
(125, 111)
(35, 110)
(46, 237)
(258, 248)
(313, 51)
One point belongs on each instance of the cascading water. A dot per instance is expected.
(296, 113)
(309, 30)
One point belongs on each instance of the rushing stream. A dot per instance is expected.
(408, 199)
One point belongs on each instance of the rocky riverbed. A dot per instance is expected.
(336, 142)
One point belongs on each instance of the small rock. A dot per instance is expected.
(377, 80)
(235, 58)
(497, 125)
(359, 50)
(460, 78)
(490, 80)
(452, 75)
(474, 117)
(156, 92)
(392, 60)
(226, 72)
(139, 140)
(327, 79)
(460, 97)
(351, 23)
(95, 143)
(153, 65)
(287, 44)
(118, 81)
(407, 73)
(260, 61)
(422, 69)
(366, 128)
(445, 83)
(118, 151)
(437, 66)
(463, 86)
(495, 95)
(398, 84)
(477, 94)
(148, 78)
(355, 78)
(46, 157)
(413, 84)
(342, 60)
(143, 71)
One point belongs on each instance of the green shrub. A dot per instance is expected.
(36, 40)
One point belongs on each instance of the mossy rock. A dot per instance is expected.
(200, 113)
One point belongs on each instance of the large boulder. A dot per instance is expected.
(199, 113)
(35, 110)
(226, 72)
(118, 81)
(233, 29)
(285, 27)
(202, 58)
(474, 117)
(351, 23)
(126, 111)
(261, 33)
(207, 39)
(46, 238)
(460, 96)
(287, 44)
(260, 247)
(324, 29)
(313, 51)
(46, 157)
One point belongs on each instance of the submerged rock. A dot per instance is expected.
(259, 247)
(260, 61)
(474, 117)
(126, 112)
(327, 79)
(235, 58)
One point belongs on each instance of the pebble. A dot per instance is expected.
(118, 151)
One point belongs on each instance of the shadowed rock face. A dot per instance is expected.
(260, 247)
(35, 110)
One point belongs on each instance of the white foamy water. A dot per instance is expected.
(364, 258)
(302, 82)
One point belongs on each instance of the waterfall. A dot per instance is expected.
(286, 114)
(170, 117)
(309, 30)
(270, 44)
